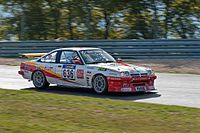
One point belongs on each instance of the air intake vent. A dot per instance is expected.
(139, 74)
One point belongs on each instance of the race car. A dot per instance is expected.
(91, 68)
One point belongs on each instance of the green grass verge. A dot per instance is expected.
(41, 112)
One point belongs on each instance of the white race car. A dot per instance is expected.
(88, 68)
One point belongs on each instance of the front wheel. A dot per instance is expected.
(100, 84)
(39, 80)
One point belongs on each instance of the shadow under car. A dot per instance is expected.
(90, 93)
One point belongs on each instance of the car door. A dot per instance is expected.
(72, 73)
(49, 64)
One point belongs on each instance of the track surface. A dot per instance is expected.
(173, 89)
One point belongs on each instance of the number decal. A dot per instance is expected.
(68, 72)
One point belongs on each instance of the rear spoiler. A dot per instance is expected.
(32, 55)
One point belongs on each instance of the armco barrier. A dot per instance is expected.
(129, 49)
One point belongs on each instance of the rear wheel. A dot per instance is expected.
(100, 84)
(39, 80)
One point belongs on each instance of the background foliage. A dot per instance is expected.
(99, 19)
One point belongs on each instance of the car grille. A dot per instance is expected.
(139, 74)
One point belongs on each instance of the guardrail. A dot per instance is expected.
(129, 49)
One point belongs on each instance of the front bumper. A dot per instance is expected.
(131, 84)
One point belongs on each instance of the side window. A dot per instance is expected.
(50, 58)
(68, 57)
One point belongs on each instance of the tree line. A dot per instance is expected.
(99, 19)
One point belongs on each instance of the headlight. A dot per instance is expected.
(150, 72)
(125, 74)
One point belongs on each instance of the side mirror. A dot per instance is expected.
(77, 61)
(119, 60)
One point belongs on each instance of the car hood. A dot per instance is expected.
(120, 67)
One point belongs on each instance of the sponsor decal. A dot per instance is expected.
(80, 73)
(140, 79)
(113, 74)
(69, 66)
(90, 67)
(126, 89)
(48, 68)
(102, 69)
(111, 70)
(144, 78)
(113, 78)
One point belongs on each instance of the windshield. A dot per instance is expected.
(96, 56)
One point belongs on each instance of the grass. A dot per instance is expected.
(29, 111)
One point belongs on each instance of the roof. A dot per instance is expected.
(78, 48)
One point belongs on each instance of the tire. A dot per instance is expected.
(39, 80)
(100, 84)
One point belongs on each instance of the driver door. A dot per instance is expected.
(71, 69)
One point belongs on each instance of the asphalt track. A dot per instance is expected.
(173, 89)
